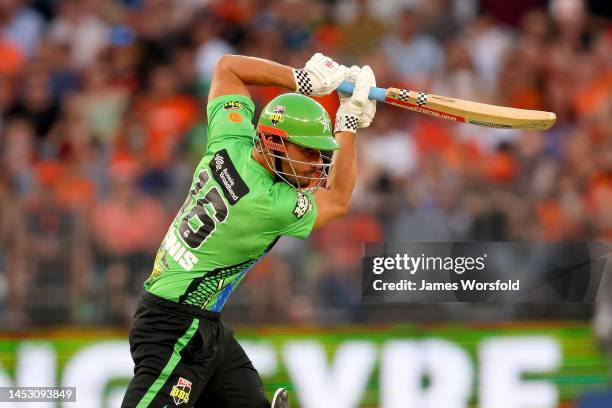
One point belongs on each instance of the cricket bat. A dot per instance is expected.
(460, 110)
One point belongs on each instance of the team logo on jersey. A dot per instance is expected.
(180, 392)
(277, 114)
(302, 205)
(232, 105)
(225, 173)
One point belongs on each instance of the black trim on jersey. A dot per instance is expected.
(269, 248)
(201, 289)
(225, 173)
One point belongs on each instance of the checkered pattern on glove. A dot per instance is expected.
(302, 81)
(356, 110)
(346, 123)
(320, 76)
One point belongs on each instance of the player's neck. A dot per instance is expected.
(261, 160)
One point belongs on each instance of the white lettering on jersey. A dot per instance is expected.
(179, 253)
(188, 261)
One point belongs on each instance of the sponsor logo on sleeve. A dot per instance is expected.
(225, 173)
(219, 162)
(302, 206)
(234, 117)
(232, 105)
(180, 392)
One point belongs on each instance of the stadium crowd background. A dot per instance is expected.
(103, 120)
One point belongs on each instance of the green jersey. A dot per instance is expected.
(234, 213)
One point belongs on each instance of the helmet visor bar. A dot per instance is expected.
(313, 182)
(304, 183)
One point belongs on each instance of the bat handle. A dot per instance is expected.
(376, 94)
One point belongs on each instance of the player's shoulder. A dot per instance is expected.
(230, 119)
(290, 204)
(292, 212)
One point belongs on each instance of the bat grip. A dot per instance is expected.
(376, 94)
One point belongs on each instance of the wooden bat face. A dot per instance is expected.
(476, 113)
(459, 110)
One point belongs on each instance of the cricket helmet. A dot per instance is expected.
(300, 120)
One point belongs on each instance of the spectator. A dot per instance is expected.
(416, 57)
(100, 103)
(209, 46)
(81, 171)
(488, 43)
(388, 148)
(128, 223)
(20, 26)
(459, 77)
(81, 30)
(166, 114)
(52, 243)
(36, 104)
(11, 261)
(361, 36)
(18, 154)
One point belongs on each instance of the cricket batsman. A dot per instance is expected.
(252, 186)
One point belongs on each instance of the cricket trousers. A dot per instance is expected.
(187, 357)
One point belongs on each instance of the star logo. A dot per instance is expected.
(326, 124)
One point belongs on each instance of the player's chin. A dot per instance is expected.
(301, 182)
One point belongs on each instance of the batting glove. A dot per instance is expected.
(356, 111)
(320, 76)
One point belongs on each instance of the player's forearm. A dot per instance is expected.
(258, 71)
(343, 174)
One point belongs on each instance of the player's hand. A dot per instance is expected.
(356, 111)
(320, 76)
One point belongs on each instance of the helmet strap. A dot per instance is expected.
(278, 167)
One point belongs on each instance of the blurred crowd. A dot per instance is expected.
(102, 122)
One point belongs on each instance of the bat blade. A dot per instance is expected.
(475, 113)
(460, 110)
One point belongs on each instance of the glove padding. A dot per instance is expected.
(320, 76)
(356, 111)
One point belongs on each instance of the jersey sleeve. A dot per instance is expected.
(293, 212)
(229, 119)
